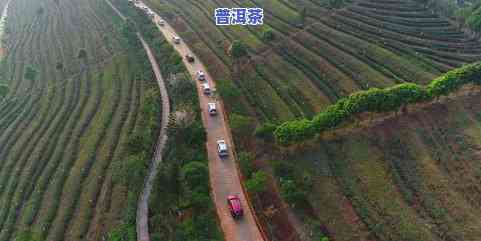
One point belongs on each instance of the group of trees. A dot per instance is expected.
(376, 100)
(469, 16)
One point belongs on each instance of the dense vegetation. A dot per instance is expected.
(377, 100)
(467, 13)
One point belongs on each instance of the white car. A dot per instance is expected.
(176, 40)
(211, 107)
(206, 88)
(222, 148)
(200, 75)
(161, 23)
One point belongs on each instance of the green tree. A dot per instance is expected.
(134, 170)
(292, 193)
(196, 174)
(257, 183)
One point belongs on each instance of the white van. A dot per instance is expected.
(211, 107)
(222, 148)
(200, 75)
(176, 40)
(206, 88)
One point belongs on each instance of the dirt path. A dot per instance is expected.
(143, 205)
(224, 176)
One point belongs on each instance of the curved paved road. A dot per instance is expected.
(224, 175)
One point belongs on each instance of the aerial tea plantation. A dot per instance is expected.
(77, 94)
(409, 174)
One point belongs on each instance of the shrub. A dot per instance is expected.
(238, 49)
(82, 54)
(242, 126)
(3, 90)
(284, 170)
(125, 232)
(30, 73)
(268, 35)
(291, 192)
(257, 183)
(294, 131)
(245, 162)
(265, 131)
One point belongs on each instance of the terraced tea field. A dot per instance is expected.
(370, 43)
(77, 92)
(414, 177)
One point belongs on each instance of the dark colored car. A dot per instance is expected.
(235, 206)
(190, 58)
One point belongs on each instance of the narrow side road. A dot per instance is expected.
(224, 175)
(143, 204)
(3, 24)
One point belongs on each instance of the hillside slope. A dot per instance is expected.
(413, 177)
(406, 180)
(78, 93)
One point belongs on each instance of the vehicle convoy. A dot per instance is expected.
(228, 186)
(222, 148)
(235, 206)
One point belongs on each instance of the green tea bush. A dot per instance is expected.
(3, 90)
